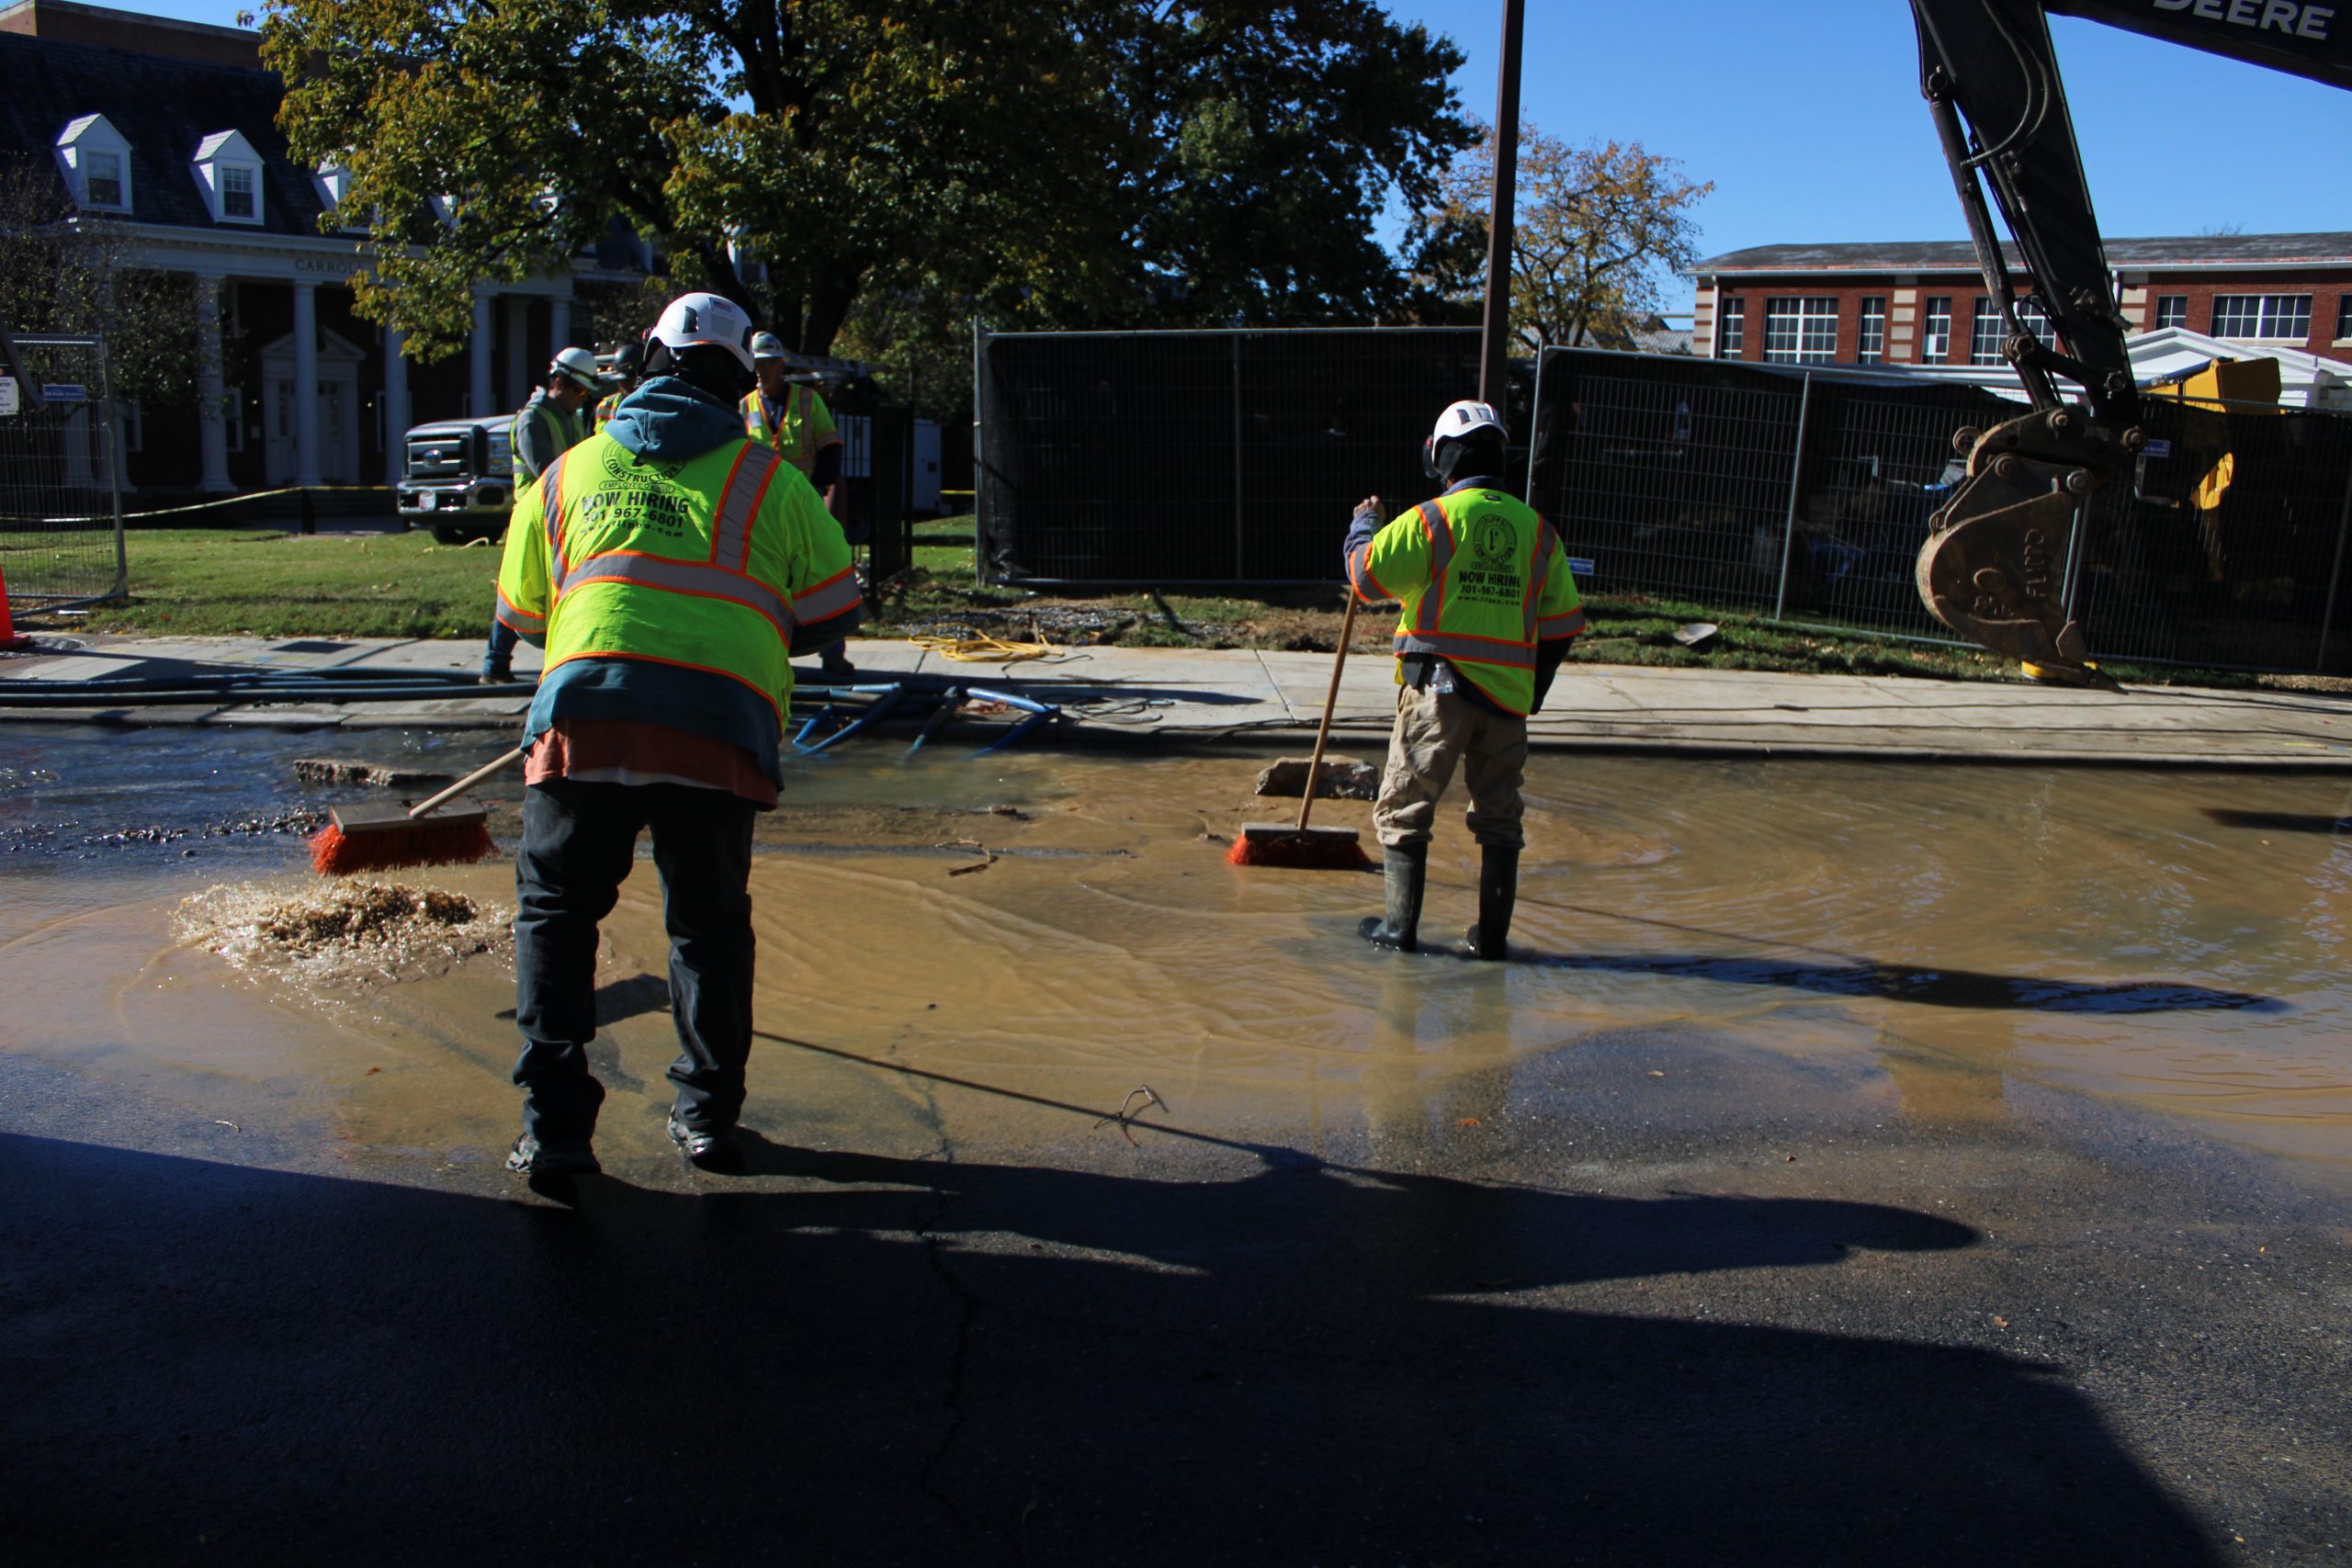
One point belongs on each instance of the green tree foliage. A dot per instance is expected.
(893, 168)
(71, 273)
(1595, 232)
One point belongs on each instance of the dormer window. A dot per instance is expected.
(335, 186)
(97, 161)
(230, 172)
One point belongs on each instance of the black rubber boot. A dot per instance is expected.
(1497, 892)
(1407, 872)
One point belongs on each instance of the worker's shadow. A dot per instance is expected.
(1244, 1357)
(1928, 987)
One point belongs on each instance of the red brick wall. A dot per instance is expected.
(2327, 289)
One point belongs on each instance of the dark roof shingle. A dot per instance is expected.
(164, 108)
(2330, 249)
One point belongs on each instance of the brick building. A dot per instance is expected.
(168, 131)
(1924, 303)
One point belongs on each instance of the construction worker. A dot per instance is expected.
(1490, 610)
(544, 428)
(670, 567)
(791, 416)
(627, 370)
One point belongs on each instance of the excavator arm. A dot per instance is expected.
(1993, 566)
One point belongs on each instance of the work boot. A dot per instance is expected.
(711, 1148)
(1406, 867)
(1498, 891)
(531, 1157)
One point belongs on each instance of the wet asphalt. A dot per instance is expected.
(1613, 1320)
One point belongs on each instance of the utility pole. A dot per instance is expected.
(1493, 360)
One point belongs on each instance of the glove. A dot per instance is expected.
(1368, 507)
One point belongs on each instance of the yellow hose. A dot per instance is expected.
(982, 650)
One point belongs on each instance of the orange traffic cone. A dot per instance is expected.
(9, 638)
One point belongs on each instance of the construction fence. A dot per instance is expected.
(1203, 459)
(61, 496)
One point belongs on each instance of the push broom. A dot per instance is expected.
(1295, 844)
(381, 838)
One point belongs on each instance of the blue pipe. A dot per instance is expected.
(1041, 716)
(873, 715)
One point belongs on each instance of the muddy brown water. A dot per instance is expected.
(1023, 941)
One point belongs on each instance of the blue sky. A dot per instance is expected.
(1808, 118)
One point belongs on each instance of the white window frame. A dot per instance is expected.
(2174, 306)
(216, 156)
(233, 399)
(78, 145)
(2267, 314)
(1731, 326)
(1934, 330)
(2036, 320)
(1801, 329)
(239, 180)
(2343, 317)
(1869, 338)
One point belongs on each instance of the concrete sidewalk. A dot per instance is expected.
(1246, 696)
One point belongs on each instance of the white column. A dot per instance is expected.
(396, 417)
(306, 384)
(514, 342)
(558, 326)
(212, 391)
(477, 357)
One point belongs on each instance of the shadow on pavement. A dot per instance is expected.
(1931, 988)
(930, 1361)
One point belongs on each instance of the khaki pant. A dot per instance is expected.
(1435, 730)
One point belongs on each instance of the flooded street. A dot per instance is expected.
(1899, 941)
(1857, 1164)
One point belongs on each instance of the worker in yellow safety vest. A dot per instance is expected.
(670, 567)
(1490, 610)
(549, 423)
(627, 370)
(791, 416)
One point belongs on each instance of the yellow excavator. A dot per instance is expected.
(1994, 563)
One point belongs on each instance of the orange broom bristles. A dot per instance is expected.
(1320, 849)
(335, 852)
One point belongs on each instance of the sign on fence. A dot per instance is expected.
(8, 396)
(64, 392)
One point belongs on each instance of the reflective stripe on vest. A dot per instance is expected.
(723, 576)
(739, 504)
(551, 514)
(830, 597)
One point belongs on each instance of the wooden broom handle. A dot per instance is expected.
(469, 781)
(1331, 701)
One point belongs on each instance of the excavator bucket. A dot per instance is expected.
(1993, 567)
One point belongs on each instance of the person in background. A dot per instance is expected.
(793, 418)
(1490, 610)
(627, 370)
(544, 428)
(693, 564)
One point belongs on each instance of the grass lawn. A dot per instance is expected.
(259, 583)
(242, 581)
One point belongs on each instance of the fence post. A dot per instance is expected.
(114, 471)
(1238, 576)
(1789, 523)
(2336, 574)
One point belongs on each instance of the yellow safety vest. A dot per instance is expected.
(1482, 578)
(801, 429)
(706, 566)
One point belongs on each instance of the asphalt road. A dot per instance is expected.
(1626, 1322)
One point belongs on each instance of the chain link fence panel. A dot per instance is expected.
(60, 498)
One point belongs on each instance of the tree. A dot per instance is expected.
(71, 273)
(1042, 162)
(1595, 231)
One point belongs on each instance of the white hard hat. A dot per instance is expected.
(767, 346)
(576, 365)
(1460, 421)
(704, 321)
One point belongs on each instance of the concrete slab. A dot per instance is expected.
(1276, 698)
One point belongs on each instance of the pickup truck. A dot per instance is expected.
(458, 476)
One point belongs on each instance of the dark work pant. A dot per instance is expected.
(579, 840)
